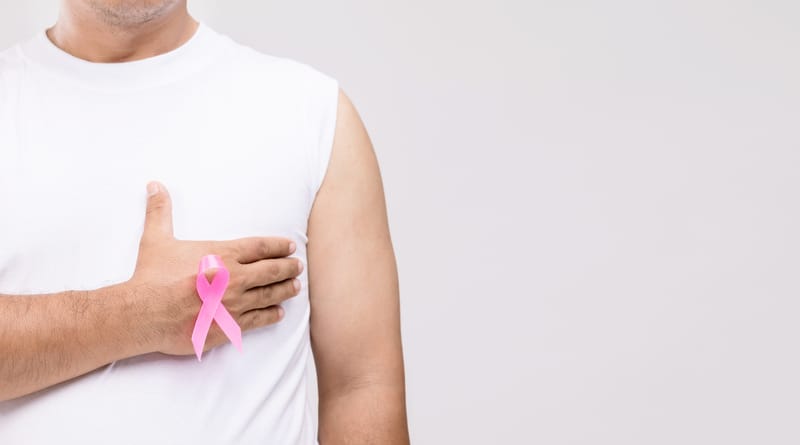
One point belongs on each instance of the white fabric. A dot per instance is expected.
(242, 140)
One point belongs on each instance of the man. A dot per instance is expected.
(259, 159)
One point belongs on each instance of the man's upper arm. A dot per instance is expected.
(353, 286)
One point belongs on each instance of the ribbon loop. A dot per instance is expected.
(211, 294)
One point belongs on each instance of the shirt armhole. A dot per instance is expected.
(328, 106)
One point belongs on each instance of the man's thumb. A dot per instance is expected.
(158, 218)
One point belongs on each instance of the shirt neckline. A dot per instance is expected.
(164, 68)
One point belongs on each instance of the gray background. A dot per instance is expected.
(594, 206)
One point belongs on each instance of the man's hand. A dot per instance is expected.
(47, 339)
(262, 277)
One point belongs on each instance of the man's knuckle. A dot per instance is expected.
(238, 279)
(266, 248)
(266, 294)
(246, 321)
(262, 318)
(273, 270)
(155, 206)
(227, 250)
(232, 303)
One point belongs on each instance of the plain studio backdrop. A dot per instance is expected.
(594, 205)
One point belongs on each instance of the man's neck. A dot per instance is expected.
(85, 35)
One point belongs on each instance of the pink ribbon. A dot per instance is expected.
(212, 308)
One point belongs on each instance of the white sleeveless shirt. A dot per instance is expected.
(242, 140)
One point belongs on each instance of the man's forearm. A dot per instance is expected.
(365, 414)
(50, 338)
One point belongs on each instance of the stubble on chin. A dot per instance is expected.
(129, 13)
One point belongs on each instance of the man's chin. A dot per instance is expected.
(125, 13)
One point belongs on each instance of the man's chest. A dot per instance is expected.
(73, 171)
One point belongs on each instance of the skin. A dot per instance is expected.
(55, 337)
(353, 283)
(121, 30)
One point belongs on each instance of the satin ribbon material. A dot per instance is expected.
(212, 309)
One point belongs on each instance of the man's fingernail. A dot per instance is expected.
(292, 247)
(152, 188)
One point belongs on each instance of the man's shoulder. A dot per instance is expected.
(248, 59)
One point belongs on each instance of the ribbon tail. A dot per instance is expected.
(201, 327)
(229, 326)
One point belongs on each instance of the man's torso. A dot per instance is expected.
(235, 142)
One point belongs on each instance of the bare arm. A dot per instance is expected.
(353, 285)
(49, 338)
